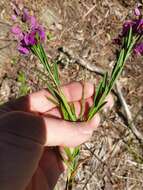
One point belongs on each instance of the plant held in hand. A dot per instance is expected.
(31, 38)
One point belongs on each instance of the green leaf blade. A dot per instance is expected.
(56, 74)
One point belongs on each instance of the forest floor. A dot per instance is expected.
(82, 37)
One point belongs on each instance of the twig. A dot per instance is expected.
(125, 178)
(89, 11)
(82, 62)
(132, 163)
(90, 67)
(128, 113)
(7, 40)
(1, 48)
(5, 23)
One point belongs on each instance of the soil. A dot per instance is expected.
(87, 29)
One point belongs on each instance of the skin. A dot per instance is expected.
(36, 108)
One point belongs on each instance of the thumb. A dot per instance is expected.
(66, 133)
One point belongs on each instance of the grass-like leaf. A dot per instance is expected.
(56, 74)
(64, 112)
(81, 116)
(73, 110)
(129, 37)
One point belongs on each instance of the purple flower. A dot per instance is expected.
(126, 27)
(35, 33)
(139, 49)
(32, 22)
(16, 30)
(136, 25)
(14, 17)
(25, 16)
(23, 50)
(30, 39)
(137, 11)
(41, 32)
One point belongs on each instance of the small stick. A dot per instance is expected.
(1, 48)
(128, 113)
(82, 62)
(89, 11)
(5, 23)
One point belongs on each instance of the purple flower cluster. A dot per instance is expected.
(35, 33)
(136, 25)
(139, 49)
(137, 30)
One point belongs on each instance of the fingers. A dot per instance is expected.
(74, 91)
(65, 133)
(38, 101)
(88, 103)
(77, 105)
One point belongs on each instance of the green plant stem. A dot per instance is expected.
(40, 53)
(122, 58)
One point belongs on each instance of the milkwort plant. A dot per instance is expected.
(31, 37)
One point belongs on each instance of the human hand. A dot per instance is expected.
(36, 107)
(58, 132)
